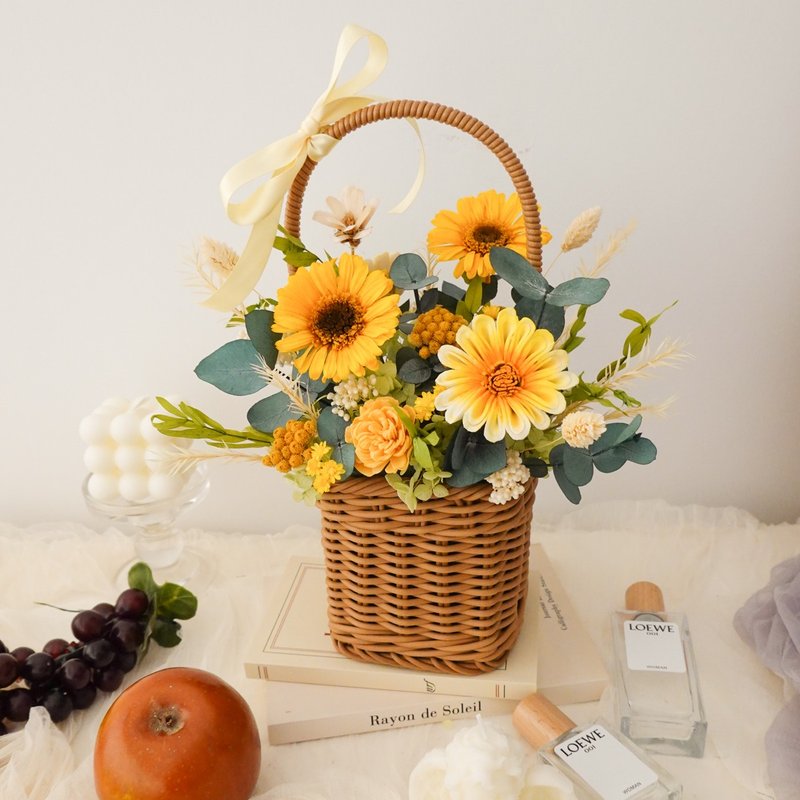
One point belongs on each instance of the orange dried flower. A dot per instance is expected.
(434, 328)
(291, 445)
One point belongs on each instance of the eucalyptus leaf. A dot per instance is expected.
(345, 454)
(414, 370)
(578, 465)
(272, 412)
(331, 427)
(409, 271)
(536, 466)
(232, 368)
(452, 290)
(610, 460)
(517, 271)
(570, 490)
(428, 300)
(639, 450)
(579, 291)
(551, 318)
(259, 328)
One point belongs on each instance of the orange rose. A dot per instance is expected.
(381, 440)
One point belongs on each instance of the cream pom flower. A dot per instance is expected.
(503, 376)
(582, 428)
(482, 763)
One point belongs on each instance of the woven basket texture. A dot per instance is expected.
(442, 589)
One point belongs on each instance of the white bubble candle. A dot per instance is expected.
(127, 458)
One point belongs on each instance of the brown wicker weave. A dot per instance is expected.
(444, 588)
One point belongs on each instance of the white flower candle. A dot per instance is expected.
(127, 458)
(482, 763)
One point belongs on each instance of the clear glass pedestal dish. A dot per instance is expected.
(157, 541)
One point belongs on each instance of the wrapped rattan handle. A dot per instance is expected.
(417, 109)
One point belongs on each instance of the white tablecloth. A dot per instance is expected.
(707, 560)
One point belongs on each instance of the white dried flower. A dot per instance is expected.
(582, 428)
(382, 261)
(348, 216)
(509, 482)
(581, 229)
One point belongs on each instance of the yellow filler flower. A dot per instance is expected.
(503, 376)
(479, 224)
(336, 317)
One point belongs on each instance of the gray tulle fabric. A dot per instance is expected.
(770, 623)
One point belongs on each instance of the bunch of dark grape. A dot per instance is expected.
(67, 675)
(108, 641)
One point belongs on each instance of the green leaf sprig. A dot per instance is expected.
(169, 602)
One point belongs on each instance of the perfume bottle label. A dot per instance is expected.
(653, 645)
(606, 764)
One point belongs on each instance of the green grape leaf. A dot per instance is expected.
(140, 576)
(175, 602)
(166, 632)
(474, 296)
(231, 368)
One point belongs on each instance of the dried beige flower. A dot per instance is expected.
(382, 261)
(217, 257)
(348, 216)
(581, 229)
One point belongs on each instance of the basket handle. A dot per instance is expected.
(417, 109)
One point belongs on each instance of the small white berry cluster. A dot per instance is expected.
(347, 395)
(509, 482)
(126, 456)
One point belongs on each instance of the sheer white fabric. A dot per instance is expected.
(708, 561)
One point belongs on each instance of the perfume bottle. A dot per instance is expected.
(655, 676)
(598, 759)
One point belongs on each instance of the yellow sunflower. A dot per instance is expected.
(336, 317)
(479, 224)
(504, 376)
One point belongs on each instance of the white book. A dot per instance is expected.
(296, 646)
(570, 670)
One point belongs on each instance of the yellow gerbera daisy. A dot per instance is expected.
(336, 317)
(503, 376)
(479, 224)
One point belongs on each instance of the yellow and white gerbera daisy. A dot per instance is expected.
(336, 317)
(504, 376)
(479, 224)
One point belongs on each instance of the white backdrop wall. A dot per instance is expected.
(117, 121)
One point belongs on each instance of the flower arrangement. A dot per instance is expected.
(383, 367)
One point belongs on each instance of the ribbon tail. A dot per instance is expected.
(250, 265)
(412, 193)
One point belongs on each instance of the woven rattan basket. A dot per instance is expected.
(443, 588)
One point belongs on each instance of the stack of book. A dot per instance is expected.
(315, 692)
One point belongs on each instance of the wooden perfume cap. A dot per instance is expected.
(644, 596)
(539, 721)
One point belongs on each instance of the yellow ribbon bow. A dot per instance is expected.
(282, 160)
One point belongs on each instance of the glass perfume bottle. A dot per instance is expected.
(599, 760)
(655, 676)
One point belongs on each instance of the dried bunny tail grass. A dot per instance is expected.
(289, 386)
(651, 410)
(670, 353)
(612, 247)
(581, 229)
(182, 461)
(211, 262)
